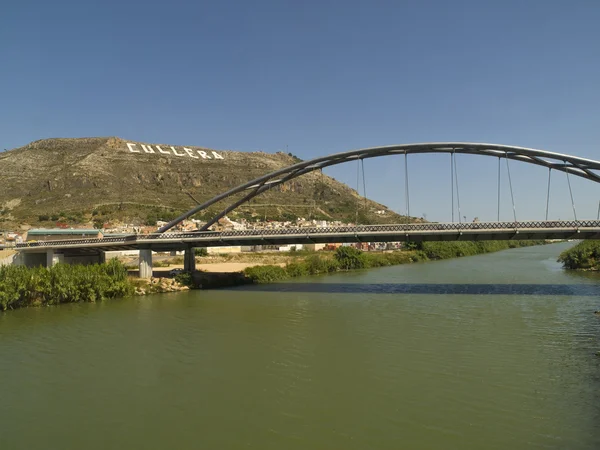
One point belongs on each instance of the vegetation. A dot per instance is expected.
(446, 250)
(584, 256)
(201, 251)
(22, 286)
(350, 258)
(266, 274)
(163, 263)
(185, 279)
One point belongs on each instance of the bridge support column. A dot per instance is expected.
(189, 260)
(145, 263)
(51, 258)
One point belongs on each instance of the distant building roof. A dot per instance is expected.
(64, 231)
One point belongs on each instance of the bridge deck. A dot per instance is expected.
(478, 231)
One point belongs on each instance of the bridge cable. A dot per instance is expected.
(406, 186)
(512, 197)
(457, 191)
(322, 190)
(452, 181)
(570, 192)
(598, 216)
(357, 189)
(548, 194)
(362, 164)
(498, 219)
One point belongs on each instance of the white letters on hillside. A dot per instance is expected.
(189, 152)
(186, 151)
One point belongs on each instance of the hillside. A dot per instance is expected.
(99, 180)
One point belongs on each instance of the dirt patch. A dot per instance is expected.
(6, 253)
(11, 204)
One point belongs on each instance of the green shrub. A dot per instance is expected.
(394, 258)
(447, 250)
(585, 255)
(419, 256)
(202, 251)
(185, 279)
(350, 258)
(296, 269)
(317, 264)
(22, 286)
(265, 274)
(177, 260)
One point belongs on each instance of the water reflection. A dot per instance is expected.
(586, 290)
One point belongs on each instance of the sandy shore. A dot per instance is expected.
(6, 253)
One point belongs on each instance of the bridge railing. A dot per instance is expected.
(391, 228)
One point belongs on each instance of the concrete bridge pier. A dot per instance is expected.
(52, 258)
(145, 263)
(189, 260)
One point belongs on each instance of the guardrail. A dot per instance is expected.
(394, 228)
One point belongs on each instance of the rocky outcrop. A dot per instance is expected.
(159, 286)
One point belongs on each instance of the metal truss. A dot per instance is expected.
(581, 167)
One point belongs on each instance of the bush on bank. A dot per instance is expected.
(583, 256)
(266, 274)
(23, 286)
(350, 258)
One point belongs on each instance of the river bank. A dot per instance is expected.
(22, 286)
(348, 258)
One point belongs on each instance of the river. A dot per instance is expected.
(493, 351)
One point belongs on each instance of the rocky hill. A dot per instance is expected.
(98, 180)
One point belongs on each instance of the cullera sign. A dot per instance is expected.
(186, 151)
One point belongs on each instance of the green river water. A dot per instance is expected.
(488, 352)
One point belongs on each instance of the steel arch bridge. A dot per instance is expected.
(581, 167)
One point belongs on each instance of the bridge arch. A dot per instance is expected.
(581, 167)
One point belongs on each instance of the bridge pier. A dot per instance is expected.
(189, 260)
(145, 263)
(51, 258)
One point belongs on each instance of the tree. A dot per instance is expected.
(350, 258)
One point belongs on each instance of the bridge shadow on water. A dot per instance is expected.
(585, 290)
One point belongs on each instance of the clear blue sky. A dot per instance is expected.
(319, 77)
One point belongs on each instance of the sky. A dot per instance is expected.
(319, 77)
